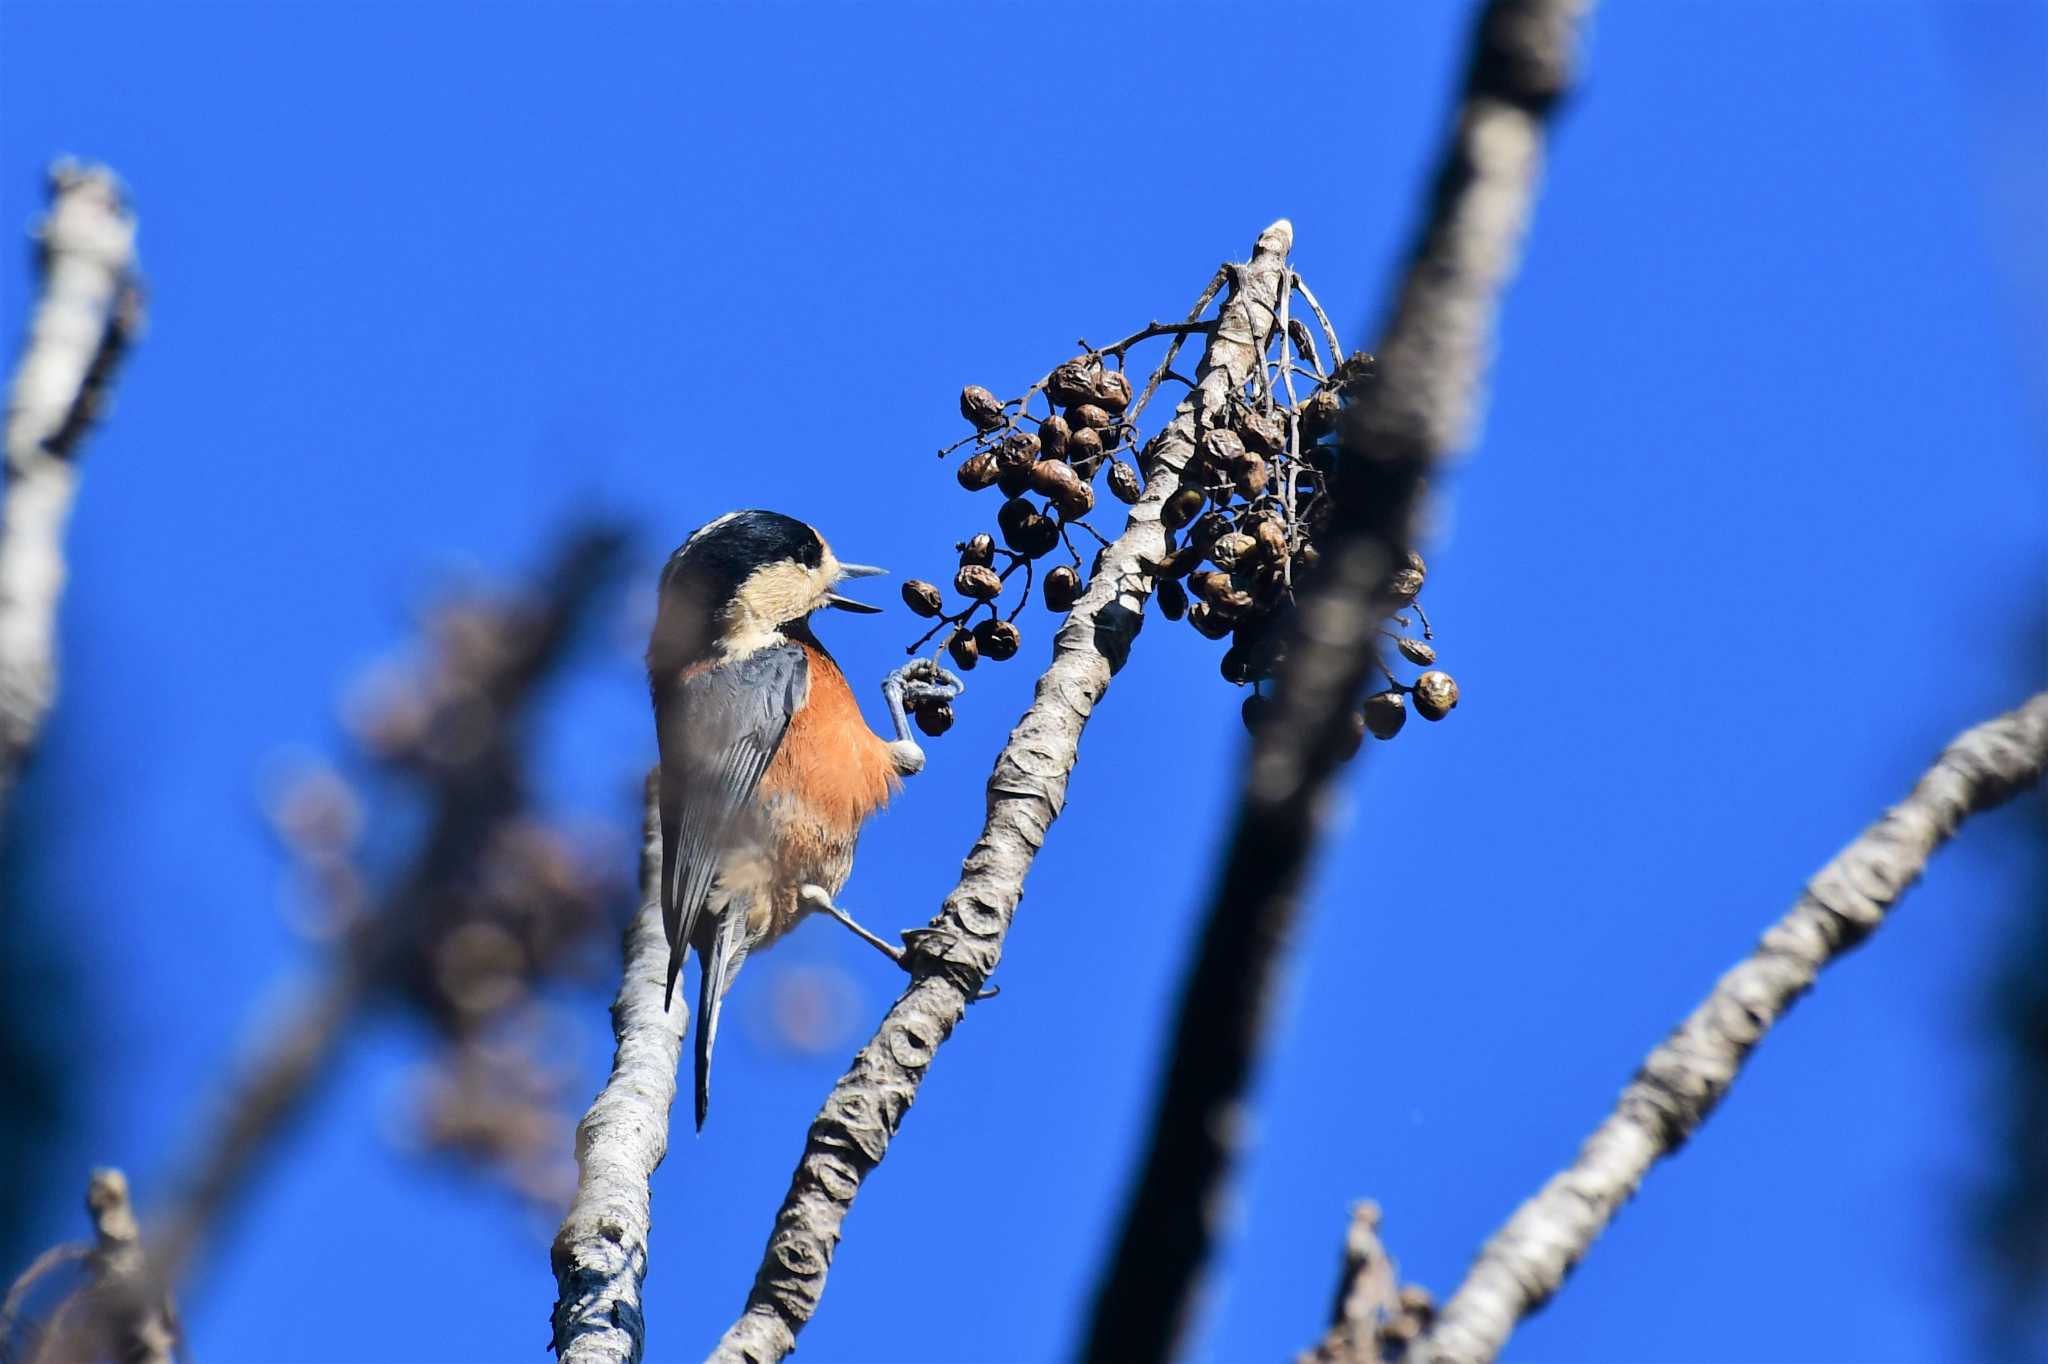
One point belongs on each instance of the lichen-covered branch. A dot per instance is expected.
(89, 312)
(1419, 410)
(951, 957)
(600, 1253)
(1527, 1260)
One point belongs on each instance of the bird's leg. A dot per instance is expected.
(921, 679)
(820, 899)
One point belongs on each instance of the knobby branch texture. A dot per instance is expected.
(1527, 1260)
(89, 312)
(950, 958)
(1431, 366)
(600, 1253)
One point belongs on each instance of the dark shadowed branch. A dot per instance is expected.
(1420, 409)
(951, 957)
(88, 313)
(1527, 1260)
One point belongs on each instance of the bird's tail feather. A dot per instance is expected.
(727, 946)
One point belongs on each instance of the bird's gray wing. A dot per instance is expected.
(718, 729)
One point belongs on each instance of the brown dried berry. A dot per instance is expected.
(1074, 381)
(1272, 538)
(978, 582)
(1181, 508)
(1051, 476)
(1385, 713)
(977, 472)
(923, 598)
(1025, 530)
(1417, 652)
(1269, 587)
(1084, 448)
(1205, 620)
(1263, 432)
(1436, 694)
(1253, 711)
(1249, 474)
(935, 717)
(1304, 343)
(1173, 599)
(1209, 528)
(1022, 444)
(1087, 416)
(1232, 549)
(997, 640)
(978, 549)
(1052, 436)
(1236, 666)
(1013, 467)
(1123, 481)
(1062, 588)
(1319, 414)
(960, 644)
(1404, 582)
(1351, 737)
(1220, 449)
(981, 407)
(1113, 390)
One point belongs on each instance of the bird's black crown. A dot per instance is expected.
(721, 555)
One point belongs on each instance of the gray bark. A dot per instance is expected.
(600, 1253)
(1527, 1260)
(88, 312)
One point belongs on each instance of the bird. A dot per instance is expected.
(768, 769)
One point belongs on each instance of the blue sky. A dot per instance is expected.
(1755, 525)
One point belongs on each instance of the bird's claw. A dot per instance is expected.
(922, 679)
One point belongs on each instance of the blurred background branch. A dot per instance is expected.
(1527, 1260)
(491, 902)
(1418, 410)
(88, 314)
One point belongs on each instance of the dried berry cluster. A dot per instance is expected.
(1241, 525)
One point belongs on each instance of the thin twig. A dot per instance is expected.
(951, 957)
(1679, 1084)
(1431, 365)
(89, 313)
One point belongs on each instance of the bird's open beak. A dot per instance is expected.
(848, 603)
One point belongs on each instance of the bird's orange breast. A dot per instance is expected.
(830, 761)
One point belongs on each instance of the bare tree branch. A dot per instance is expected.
(951, 958)
(1527, 1260)
(600, 1253)
(116, 1312)
(89, 313)
(1368, 1293)
(1417, 411)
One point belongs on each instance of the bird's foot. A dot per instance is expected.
(920, 682)
(820, 899)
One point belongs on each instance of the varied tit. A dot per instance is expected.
(767, 768)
